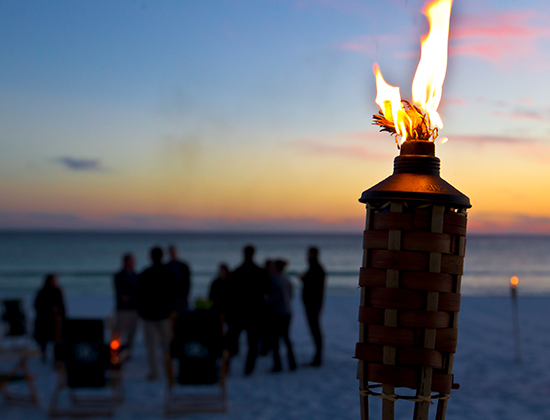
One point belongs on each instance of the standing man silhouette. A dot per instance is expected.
(247, 286)
(126, 283)
(156, 303)
(183, 275)
(313, 295)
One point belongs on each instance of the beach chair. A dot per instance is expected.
(89, 369)
(15, 350)
(14, 323)
(197, 365)
(17, 373)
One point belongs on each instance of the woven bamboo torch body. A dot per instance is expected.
(413, 254)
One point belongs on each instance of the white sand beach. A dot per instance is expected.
(493, 386)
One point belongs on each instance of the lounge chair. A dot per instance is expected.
(196, 381)
(89, 369)
(15, 350)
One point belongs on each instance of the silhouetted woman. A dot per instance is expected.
(280, 302)
(50, 311)
(219, 290)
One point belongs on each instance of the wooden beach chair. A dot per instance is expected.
(18, 372)
(16, 349)
(197, 365)
(14, 324)
(89, 369)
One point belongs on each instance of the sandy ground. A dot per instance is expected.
(493, 385)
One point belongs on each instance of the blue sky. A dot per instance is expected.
(256, 114)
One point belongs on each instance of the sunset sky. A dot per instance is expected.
(256, 114)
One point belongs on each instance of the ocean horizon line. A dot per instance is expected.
(147, 231)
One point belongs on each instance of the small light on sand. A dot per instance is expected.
(514, 281)
(115, 344)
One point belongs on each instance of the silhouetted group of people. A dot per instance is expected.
(259, 301)
(157, 296)
(254, 299)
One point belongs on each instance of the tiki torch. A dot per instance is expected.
(413, 248)
(514, 282)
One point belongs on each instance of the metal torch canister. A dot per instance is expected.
(413, 256)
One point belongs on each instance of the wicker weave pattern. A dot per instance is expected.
(410, 297)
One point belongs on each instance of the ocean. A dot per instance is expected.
(86, 261)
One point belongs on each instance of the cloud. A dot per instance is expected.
(42, 220)
(499, 36)
(512, 223)
(523, 115)
(483, 222)
(80, 164)
(355, 151)
(482, 139)
(537, 149)
(32, 220)
(371, 44)
(453, 101)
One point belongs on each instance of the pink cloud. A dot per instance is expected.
(498, 36)
(514, 223)
(360, 46)
(345, 150)
(368, 44)
(482, 139)
(453, 101)
(486, 51)
(527, 101)
(33, 220)
(362, 136)
(495, 36)
(522, 115)
(537, 149)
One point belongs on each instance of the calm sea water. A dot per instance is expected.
(85, 262)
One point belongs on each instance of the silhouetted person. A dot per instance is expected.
(248, 284)
(156, 304)
(267, 334)
(312, 295)
(126, 283)
(280, 303)
(183, 277)
(50, 313)
(219, 290)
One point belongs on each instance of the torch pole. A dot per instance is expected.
(515, 316)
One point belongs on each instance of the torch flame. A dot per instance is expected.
(420, 120)
(428, 80)
(514, 281)
(388, 97)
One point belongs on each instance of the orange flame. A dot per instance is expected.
(428, 80)
(388, 99)
(427, 84)
(115, 344)
(514, 281)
